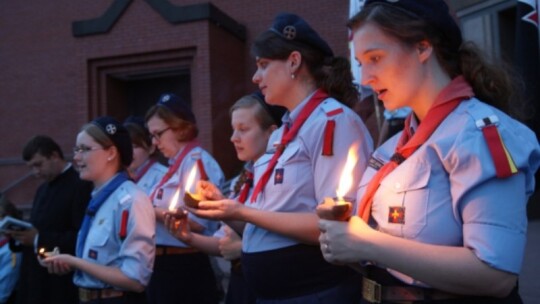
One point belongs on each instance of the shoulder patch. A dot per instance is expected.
(331, 107)
(487, 122)
(375, 163)
(196, 155)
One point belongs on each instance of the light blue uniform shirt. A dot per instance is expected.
(248, 166)
(308, 176)
(152, 177)
(9, 273)
(134, 255)
(451, 194)
(178, 181)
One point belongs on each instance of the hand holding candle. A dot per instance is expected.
(42, 254)
(192, 199)
(340, 209)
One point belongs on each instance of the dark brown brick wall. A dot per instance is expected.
(46, 85)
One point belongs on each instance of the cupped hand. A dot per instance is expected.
(230, 246)
(225, 209)
(178, 225)
(209, 191)
(60, 264)
(346, 242)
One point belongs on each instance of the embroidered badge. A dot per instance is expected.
(92, 254)
(396, 215)
(289, 32)
(375, 163)
(111, 129)
(159, 194)
(278, 176)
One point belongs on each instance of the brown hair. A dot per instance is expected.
(331, 74)
(189, 129)
(262, 116)
(494, 84)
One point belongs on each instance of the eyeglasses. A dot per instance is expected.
(85, 149)
(157, 135)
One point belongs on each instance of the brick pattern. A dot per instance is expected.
(46, 85)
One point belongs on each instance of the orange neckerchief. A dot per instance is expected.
(447, 100)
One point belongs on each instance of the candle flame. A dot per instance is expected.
(174, 200)
(346, 179)
(191, 178)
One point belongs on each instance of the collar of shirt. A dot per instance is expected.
(290, 117)
(96, 190)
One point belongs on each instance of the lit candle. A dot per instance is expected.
(191, 199)
(41, 253)
(341, 209)
(45, 254)
(173, 210)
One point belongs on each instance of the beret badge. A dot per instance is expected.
(110, 129)
(289, 32)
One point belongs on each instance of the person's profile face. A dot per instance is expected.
(273, 77)
(163, 136)
(91, 159)
(140, 155)
(43, 167)
(248, 137)
(392, 69)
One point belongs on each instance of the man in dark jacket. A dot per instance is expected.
(56, 216)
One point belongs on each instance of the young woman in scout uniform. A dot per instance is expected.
(115, 245)
(178, 266)
(442, 206)
(252, 120)
(305, 157)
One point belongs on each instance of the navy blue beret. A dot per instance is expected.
(178, 106)
(136, 120)
(276, 112)
(435, 12)
(293, 28)
(118, 135)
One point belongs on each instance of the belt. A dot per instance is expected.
(376, 293)
(87, 295)
(169, 250)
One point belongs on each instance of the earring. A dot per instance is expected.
(293, 76)
(109, 159)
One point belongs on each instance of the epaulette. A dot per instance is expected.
(195, 155)
(502, 160)
(331, 109)
(125, 198)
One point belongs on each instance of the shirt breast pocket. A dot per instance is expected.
(406, 199)
(288, 167)
(97, 241)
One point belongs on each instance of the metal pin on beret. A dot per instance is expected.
(435, 12)
(293, 28)
(178, 106)
(118, 135)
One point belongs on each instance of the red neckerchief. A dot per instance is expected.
(287, 137)
(140, 173)
(244, 191)
(174, 167)
(4, 241)
(447, 100)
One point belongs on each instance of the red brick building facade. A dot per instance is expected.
(64, 62)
